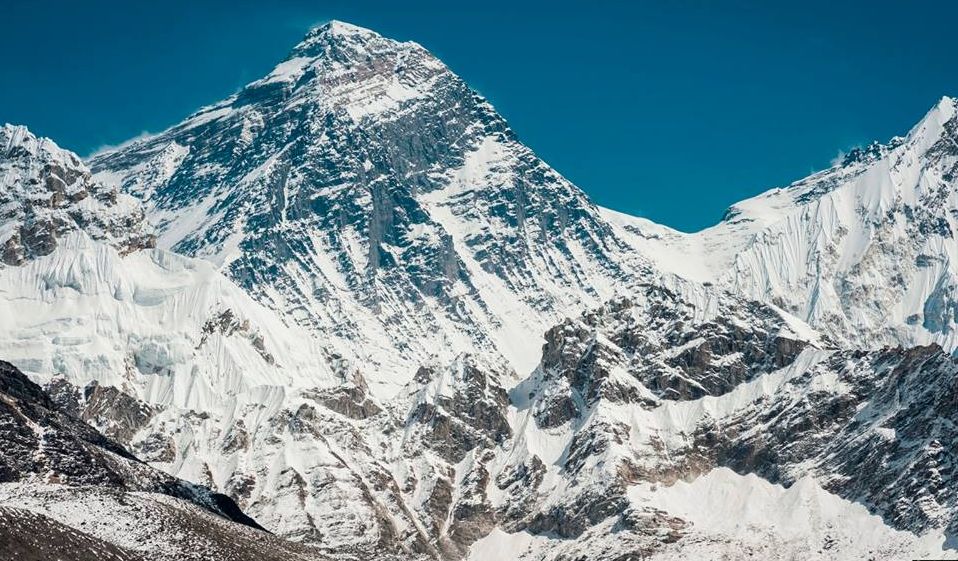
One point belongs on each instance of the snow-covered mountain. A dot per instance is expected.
(864, 251)
(48, 193)
(363, 189)
(386, 329)
(171, 358)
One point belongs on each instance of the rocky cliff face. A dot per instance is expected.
(48, 192)
(869, 427)
(875, 427)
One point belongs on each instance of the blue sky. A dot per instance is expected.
(669, 110)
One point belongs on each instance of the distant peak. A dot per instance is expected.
(935, 124)
(14, 133)
(20, 137)
(926, 133)
(942, 112)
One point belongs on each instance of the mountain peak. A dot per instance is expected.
(348, 67)
(947, 103)
(345, 29)
(47, 192)
(19, 137)
(336, 34)
(938, 125)
(942, 112)
(14, 134)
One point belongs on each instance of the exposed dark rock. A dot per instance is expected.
(42, 198)
(40, 441)
(350, 399)
(466, 410)
(654, 342)
(227, 324)
(114, 413)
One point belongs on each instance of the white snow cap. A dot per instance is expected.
(335, 30)
(341, 28)
(19, 135)
(946, 106)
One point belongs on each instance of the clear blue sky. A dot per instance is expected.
(669, 110)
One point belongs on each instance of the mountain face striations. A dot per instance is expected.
(364, 190)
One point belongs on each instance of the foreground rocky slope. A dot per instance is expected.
(41, 443)
(68, 492)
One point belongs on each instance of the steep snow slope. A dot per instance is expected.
(864, 251)
(161, 326)
(166, 354)
(363, 188)
(214, 388)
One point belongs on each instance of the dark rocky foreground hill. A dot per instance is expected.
(69, 493)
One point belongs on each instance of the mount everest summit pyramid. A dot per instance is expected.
(363, 189)
(387, 330)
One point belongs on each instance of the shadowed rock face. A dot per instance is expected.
(73, 452)
(876, 427)
(653, 346)
(43, 443)
(46, 192)
(113, 413)
(461, 407)
(651, 350)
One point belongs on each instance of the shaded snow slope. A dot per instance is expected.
(166, 328)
